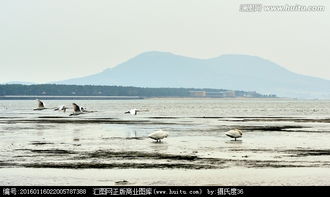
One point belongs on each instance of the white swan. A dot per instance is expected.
(82, 109)
(41, 105)
(76, 110)
(235, 133)
(135, 111)
(61, 108)
(132, 111)
(158, 135)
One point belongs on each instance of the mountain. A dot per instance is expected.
(235, 72)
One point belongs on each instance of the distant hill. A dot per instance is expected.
(235, 72)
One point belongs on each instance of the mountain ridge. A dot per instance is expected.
(231, 71)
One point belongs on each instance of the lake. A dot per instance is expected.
(285, 142)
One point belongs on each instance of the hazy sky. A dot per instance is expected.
(49, 40)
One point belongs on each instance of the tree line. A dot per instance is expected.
(93, 90)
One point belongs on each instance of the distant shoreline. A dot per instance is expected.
(43, 97)
(34, 97)
(52, 91)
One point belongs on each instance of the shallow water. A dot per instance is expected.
(278, 135)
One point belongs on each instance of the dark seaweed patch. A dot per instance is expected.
(121, 138)
(308, 152)
(52, 117)
(135, 138)
(86, 121)
(53, 151)
(164, 117)
(270, 128)
(48, 151)
(6, 164)
(278, 119)
(117, 165)
(216, 164)
(273, 164)
(137, 155)
(9, 117)
(252, 150)
(38, 143)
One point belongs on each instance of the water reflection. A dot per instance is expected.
(159, 146)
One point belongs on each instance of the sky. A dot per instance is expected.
(50, 40)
